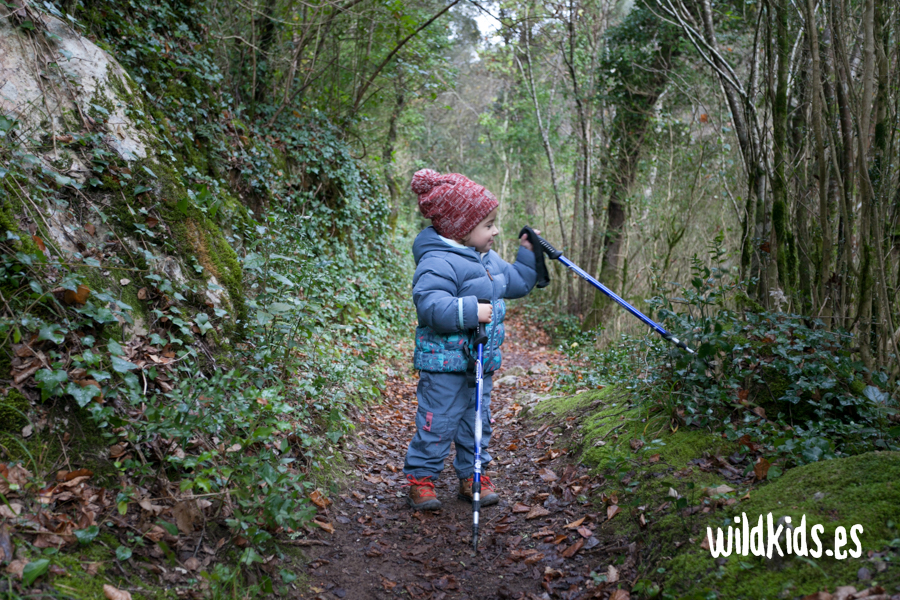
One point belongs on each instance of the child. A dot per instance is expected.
(455, 267)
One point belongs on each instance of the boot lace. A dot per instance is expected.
(426, 488)
(486, 483)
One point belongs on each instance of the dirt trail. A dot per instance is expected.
(382, 549)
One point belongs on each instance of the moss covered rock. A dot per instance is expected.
(863, 489)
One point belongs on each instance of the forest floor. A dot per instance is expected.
(539, 541)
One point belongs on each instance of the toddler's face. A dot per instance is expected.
(482, 237)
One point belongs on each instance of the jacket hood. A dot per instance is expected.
(428, 240)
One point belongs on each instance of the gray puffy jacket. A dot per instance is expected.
(446, 287)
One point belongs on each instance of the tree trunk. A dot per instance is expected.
(388, 154)
(632, 120)
(780, 213)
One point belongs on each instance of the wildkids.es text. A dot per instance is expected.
(781, 538)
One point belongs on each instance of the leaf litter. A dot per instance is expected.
(540, 541)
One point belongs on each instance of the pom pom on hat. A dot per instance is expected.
(454, 203)
(425, 180)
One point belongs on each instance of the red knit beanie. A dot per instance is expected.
(454, 203)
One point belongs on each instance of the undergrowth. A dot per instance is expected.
(217, 321)
(781, 382)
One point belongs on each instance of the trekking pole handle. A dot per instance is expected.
(480, 333)
(548, 247)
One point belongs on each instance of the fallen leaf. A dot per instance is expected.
(585, 532)
(654, 458)
(552, 573)
(612, 511)
(155, 533)
(147, 505)
(89, 227)
(759, 411)
(575, 524)
(387, 583)
(573, 549)
(124, 281)
(612, 574)
(715, 491)
(185, 515)
(117, 450)
(152, 221)
(547, 475)
(317, 498)
(77, 473)
(51, 540)
(16, 567)
(534, 558)
(620, 595)
(26, 372)
(326, 526)
(73, 482)
(16, 475)
(522, 554)
(77, 297)
(113, 593)
(12, 511)
(192, 564)
(642, 521)
(521, 508)
(705, 543)
(637, 444)
(761, 468)
(537, 512)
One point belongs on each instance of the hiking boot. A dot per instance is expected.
(488, 493)
(421, 494)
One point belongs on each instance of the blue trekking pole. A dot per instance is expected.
(554, 253)
(478, 341)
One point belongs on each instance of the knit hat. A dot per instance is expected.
(454, 203)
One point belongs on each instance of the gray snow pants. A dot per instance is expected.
(447, 414)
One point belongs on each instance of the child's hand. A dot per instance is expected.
(523, 241)
(485, 313)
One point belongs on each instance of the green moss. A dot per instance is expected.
(9, 205)
(87, 446)
(569, 404)
(611, 419)
(75, 583)
(13, 412)
(862, 489)
(768, 393)
(744, 301)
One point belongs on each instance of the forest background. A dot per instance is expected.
(729, 167)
